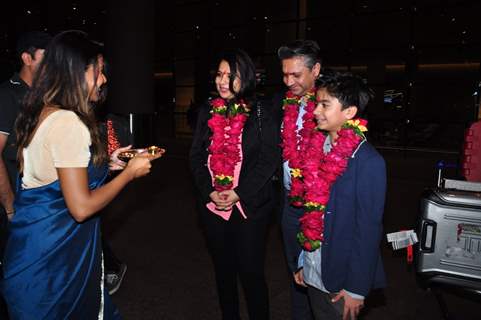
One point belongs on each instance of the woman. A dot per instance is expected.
(53, 260)
(233, 157)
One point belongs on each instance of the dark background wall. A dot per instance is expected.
(421, 57)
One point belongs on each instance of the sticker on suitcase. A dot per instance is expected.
(402, 239)
(469, 237)
(469, 228)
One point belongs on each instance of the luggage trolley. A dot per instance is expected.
(448, 255)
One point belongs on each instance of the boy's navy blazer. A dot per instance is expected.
(351, 257)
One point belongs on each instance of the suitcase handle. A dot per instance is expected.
(428, 235)
(440, 165)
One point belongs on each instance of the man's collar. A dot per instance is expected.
(15, 79)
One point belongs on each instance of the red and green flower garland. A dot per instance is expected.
(294, 144)
(312, 172)
(226, 124)
(320, 171)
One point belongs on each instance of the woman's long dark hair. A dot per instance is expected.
(60, 82)
(240, 62)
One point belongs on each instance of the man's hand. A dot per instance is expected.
(352, 306)
(299, 278)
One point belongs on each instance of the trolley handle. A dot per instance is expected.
(440, 165)
(428, 235)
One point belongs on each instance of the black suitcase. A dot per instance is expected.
(449, 232)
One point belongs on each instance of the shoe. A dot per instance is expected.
(113, 280)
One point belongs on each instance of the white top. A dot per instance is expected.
(62, 140)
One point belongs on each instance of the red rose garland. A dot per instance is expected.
(295, 144)
(320, 171)
(226, 125)
(112, 141)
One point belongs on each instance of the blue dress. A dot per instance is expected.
(53, 265)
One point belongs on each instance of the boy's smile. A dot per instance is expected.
(329, 114)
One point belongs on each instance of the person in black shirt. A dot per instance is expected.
(30, 49)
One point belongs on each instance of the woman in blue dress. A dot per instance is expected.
(53, 260)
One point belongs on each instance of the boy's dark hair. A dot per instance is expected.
(349, 89)
(308, 49)
(31, 41)
(239, 61)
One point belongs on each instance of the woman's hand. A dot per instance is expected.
(153, 156)
(139, 166)
(218, 200)
(115, 163)
(230, 198)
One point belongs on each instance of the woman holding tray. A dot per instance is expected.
(53, 260)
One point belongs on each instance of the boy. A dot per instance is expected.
(347, 264)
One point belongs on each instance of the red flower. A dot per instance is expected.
(362, 122)
(307, 246)
(219, 102)
(290, 95)
(312, 234)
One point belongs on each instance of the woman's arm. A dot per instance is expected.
(83, 202)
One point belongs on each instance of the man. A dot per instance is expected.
(301, 65)
(30, 49)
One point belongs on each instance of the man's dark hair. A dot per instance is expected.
(307, 49)
(31, 41)
(348, 88)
